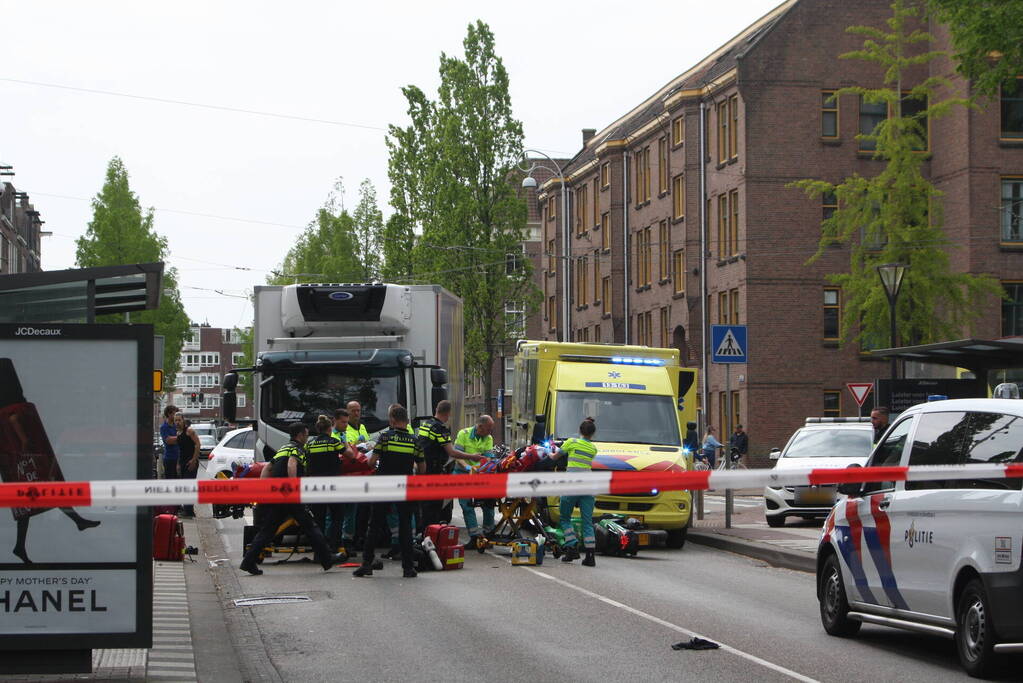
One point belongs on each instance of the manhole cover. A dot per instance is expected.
(270, 600)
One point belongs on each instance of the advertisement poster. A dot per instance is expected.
(74, 407)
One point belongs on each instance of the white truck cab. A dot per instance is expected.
(939, 557)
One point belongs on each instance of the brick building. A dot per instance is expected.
(680, 215)
(20, 230)
(207, 354)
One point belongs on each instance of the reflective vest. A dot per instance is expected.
(433, 436)
(322, 456)
(279, 463)
(580, 453)
(354, 436)
(397, 452)
(468, 442)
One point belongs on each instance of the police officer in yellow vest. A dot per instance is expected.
(475, 441)
(323, 459)
(289, 461)
(580, 453)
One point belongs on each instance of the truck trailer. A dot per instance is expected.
(640, 399)
(319, 346)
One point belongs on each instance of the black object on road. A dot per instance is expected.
(696, 644)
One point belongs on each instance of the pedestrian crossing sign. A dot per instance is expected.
(728, 343)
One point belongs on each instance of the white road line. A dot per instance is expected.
(675, 627)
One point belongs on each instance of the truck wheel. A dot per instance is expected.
(833, 603)
(975, 634)
(676, 538)
(775, 521)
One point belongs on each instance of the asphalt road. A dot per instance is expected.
(565, 622)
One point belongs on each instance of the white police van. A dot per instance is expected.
(938, 557)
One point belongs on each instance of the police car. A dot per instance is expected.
(823, 442)
(937, 557)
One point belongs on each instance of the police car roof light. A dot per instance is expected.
(820, 420)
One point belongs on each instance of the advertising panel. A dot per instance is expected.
(75, 405)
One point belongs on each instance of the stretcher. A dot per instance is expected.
(517, 518)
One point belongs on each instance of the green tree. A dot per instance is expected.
(397, 246)
(987, 36)
(896, 215)
(248, 359)
(451, 171)
(368, 223)
(326, 251)
(120, 233)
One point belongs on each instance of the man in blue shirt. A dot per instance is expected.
(169, 435)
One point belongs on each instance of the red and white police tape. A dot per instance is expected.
(365, 489)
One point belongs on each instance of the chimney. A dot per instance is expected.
(587, 134)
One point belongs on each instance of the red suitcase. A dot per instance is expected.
(168, 538)
(452, 556)
(443, 535)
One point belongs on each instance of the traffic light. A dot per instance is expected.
(194, 398)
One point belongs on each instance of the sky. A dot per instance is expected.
(233, 189)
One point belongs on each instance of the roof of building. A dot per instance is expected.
(718, 63)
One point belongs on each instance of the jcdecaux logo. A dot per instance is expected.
(37, 332)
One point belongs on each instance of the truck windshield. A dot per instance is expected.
(304, 394)
(620, 418)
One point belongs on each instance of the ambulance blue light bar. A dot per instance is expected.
(618, 360)
(628, 360)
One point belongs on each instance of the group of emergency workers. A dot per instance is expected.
(399, 450)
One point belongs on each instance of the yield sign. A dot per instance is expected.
(860, 391)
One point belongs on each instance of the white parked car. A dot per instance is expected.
(237, 446)
(821, 442)
(938, 557)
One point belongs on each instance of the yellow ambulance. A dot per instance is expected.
(641, 399)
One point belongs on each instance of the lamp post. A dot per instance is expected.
(529, 182)
(891, 275)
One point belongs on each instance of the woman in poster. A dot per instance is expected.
(25, 453)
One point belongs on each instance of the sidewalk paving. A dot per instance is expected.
(793, 546)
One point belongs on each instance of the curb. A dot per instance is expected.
(778, 557)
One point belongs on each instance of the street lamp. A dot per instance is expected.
(891, 275)
(529, 183)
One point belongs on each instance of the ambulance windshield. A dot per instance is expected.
(620, 418)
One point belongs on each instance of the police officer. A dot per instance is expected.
(580, 453)
(323, 454)
(396, 452)
(435, 442)
(289, 461)
(478, 443)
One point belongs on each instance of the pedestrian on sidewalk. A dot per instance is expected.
(580, 454)
(169, 435)
(188, 455)
(710, 447)
(290, 461)
(740, 443)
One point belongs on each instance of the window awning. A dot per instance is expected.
(978, 355)
(80, 294)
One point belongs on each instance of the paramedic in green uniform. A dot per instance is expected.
(580, 453)
(475, 441)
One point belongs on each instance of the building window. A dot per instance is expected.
(201, 359)
(665, 327)
(736, 411)
(733, 299)
(733, 205)
(596, 276)
(596, 333)
(646, 328)
(643, 175)
(596, 204)
(723, 317)
(723, 230)
(662, 165)
(237, 358)
(241, 401)
(1012, 209)
(1012, 309)
(829, 114)
(733, 131)
(832, 403)
(646, 256)
(514, 319)
(678, 196)
(552, 259)
(871, 116)
(724, 428)
(552, 312)
(605, 174)
(832, 313)
(514, 260)
(679, 271)
(580, 210)
(605, 295)
(581, 281)
(229, 336)
(605, 230)
(722, 111)
(914, 108)
(1012, 112)
(829, 205)
(551, 210)
(664, 251)
(582, 334)
(678, 131)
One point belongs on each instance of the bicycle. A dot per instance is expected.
(736, 461)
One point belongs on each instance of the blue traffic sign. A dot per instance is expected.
(728, 343)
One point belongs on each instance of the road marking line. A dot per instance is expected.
(675, 627)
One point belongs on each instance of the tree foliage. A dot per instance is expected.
(120, 233)
(397, 247)
(451, 171)
(368, 228)
(987, 36)
(327, 250)
(896, 216)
